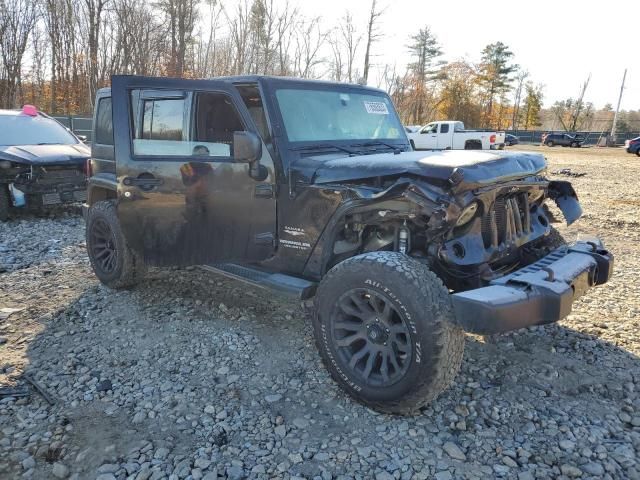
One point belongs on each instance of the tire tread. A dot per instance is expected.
(441, 366)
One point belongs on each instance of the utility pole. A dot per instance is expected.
(615, 116)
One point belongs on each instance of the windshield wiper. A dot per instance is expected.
(49, 143)
(385, 144)
(324, 146)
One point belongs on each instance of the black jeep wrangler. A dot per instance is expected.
(311, 188)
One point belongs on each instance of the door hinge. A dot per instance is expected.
(265, 238)
(263, 190)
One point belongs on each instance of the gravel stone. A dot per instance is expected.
(60, 470)
(192, 375)
(454, 451)
(571, 471)
(593, 468)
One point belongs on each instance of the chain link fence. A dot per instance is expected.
(590, 138)
(79, 125)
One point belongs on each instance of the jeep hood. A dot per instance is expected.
(45, 154)
(476, 167)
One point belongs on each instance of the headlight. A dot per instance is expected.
(467, 214)
(5, 164)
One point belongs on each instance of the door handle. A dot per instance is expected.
(144, 181)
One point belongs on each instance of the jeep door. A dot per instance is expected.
(182, 200)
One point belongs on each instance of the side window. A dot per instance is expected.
(444, 128)
(163, 119)
(104, 122)
(194, 125)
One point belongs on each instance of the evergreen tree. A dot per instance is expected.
(424, 68)
(495, 76)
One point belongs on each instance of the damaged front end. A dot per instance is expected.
(36, 186)
(468, 236)
(490, 246)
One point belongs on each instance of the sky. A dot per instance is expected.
(559, 42)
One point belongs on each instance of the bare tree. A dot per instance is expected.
(181, 17)
(92, 16)
(520, 79)
(373, 34)
(240, 31)
(17, 19)
(344, 41)
(309, 40)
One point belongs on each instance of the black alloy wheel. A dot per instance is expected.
(372, 337)
(103, 246)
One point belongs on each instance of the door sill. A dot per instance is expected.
(287, 285)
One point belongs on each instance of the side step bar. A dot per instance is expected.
(285, 284)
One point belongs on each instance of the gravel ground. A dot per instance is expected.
(193, 376)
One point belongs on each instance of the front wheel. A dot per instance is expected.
(384, 326)
(114, 263)
(549, 144)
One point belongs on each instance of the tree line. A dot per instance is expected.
(57, 53)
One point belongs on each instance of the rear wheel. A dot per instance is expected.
(638, 152)
(5, 203)
(114, 263)
(384, 326)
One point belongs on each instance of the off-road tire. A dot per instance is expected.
(5, 203)
(128, 266)
(421, 301)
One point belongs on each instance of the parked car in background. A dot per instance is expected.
(41, 161)
(562, 139)
(511, 140)
(633, 146)
(451, 135)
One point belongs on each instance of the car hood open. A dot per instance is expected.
(45, 154)
(472, 167)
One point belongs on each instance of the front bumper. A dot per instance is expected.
(537, 294)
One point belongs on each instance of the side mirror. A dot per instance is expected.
(82, 138)
(247, 148)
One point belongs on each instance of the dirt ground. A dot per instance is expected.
(194, 376)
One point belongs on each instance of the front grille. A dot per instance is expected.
(506, 220)
(53, 176)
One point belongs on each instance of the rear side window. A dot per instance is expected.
(444, 128)
(104, 122)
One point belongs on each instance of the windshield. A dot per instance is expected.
(330, 115)
(27, 130)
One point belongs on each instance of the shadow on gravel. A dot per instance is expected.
(190, 366)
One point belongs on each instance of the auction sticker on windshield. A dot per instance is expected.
(378, 108)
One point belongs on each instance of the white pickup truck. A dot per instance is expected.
(451, 135)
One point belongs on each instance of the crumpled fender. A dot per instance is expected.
(566, 199)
